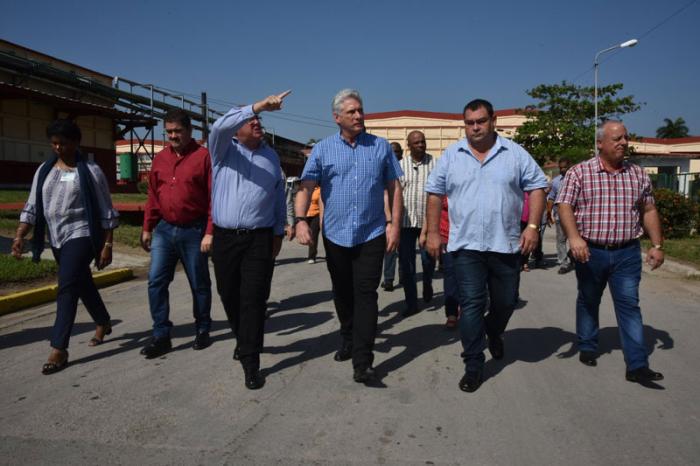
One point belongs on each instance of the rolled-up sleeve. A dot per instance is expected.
(436, 183)
(28, 214)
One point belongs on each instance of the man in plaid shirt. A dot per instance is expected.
(605, 203)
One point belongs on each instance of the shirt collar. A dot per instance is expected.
(189, 148)
(497, 147)
(359, 138)
(601, 168)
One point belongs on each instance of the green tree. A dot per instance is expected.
(561, 121)
(672, 129)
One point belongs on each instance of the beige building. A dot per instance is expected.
(440, 129)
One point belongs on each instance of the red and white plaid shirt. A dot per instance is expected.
(607, 206)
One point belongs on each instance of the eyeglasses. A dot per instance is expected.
(479, 122)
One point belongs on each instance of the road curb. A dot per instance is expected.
(24, 299)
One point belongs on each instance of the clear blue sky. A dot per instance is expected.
(432, 56)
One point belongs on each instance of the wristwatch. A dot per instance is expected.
(660, 247)
(533, 226)
(299, 219)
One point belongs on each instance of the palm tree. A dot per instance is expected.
(672, 129)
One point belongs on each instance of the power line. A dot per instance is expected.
(649, 31)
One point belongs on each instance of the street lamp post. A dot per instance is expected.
(629, 43)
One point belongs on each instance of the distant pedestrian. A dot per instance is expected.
(70, 200)
(177, 227)
(449, 280)
(391, 257)
(314, 217)
(565, 264)
(605, 204)
(248, 210)
(416, 168)
(353, 169)
(484, 177)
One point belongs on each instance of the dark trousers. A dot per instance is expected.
(75, 281)
(407, 264)
(479, 273)
(315, 225)
(355, 274)
(242, 266)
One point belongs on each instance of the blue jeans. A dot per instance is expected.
(449, 281)
(622, 270)
(169, 244)
(407, 264)
(479, 273)
(390, 266)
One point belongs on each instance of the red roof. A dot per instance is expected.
(670, 141)
(435, 115)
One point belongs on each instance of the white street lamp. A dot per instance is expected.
(629, 43)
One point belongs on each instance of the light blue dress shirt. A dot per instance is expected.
(485, 199)
(247, 186)
(352, 181)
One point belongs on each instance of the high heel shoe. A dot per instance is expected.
(95, 341)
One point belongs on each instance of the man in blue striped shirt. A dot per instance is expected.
(353, 168)
(249, 214)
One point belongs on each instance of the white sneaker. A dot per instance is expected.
(311, 261)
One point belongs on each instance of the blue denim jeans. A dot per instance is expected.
(407, 264)
(479, 273)
(169, 244)
(449, 281)
(622, 270)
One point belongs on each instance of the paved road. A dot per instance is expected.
(539, 405)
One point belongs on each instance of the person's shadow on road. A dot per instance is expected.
(537, 344)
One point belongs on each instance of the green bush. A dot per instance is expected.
(679, 215)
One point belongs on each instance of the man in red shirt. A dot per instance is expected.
(177, 226)
(605, 203)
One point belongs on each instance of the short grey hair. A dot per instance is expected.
(600, 131)
(342, 96)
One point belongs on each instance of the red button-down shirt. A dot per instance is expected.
(608, 206)
(179, 188)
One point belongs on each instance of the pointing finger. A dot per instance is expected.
(284, 94)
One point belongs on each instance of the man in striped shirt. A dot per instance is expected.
(353, 169)
(605, 203)
(416, 169)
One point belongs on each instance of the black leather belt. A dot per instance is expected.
(612, 247)
(240, 231)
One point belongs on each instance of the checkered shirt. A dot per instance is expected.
(607, 206)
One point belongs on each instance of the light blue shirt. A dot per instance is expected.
(352, 181)
(247, 186)
(556, 183)
(485, 199)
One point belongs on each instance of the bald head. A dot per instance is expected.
(416, 145)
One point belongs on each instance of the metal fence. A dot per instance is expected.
(687, 184)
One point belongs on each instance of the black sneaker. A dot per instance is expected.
(156, 347)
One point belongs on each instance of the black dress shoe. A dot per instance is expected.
(253, 379)
(471, 381)
(388, 286)
(364, 375)
(236, 354)
(588, 358)
(496, 347)
(428, 293)
(201, 341)
(344, 353)
(643, 374)
(156, 347)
